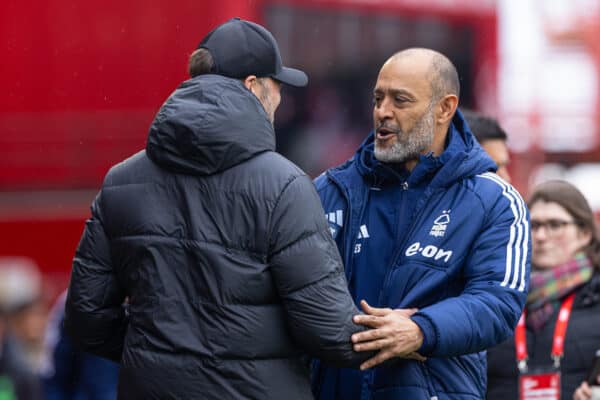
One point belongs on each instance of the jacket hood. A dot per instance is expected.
(463, 157)
(209, 124)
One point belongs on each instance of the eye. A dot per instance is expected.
(556, 224)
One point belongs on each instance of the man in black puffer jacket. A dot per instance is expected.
(218, 244)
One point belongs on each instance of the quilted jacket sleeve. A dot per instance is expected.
(309, 276)
(496, 274)
(94, 314)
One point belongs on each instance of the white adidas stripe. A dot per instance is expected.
(519, 235)
(512, 238)
(336, 217)
(523, 228)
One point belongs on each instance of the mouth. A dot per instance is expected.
(542, 252)
(385, 133)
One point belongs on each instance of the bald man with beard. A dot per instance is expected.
(435, 245)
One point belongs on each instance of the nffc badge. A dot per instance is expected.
(440, 224)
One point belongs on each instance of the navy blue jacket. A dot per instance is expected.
(461, 258)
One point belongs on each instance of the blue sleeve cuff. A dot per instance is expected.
(429, 334)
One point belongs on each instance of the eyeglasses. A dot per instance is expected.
(552, 226)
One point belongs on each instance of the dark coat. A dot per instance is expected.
(581, 342)
(222, 247)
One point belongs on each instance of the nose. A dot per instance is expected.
(383, 110)
(539, 234)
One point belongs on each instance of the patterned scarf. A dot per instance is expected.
(549, 286)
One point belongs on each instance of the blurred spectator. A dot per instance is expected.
(26, 312)
(70, 374)
(492, 138)
(19, 290)
(566, 261)
(16, 380)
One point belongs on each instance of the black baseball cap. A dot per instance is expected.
(240, 48)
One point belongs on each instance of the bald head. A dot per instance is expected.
(438, 70)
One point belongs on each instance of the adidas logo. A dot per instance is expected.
(363, 233)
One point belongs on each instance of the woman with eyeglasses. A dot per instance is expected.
(550, 356)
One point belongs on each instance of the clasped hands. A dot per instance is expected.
(392, 332)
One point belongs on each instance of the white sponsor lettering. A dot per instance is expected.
(413, 249)
(429, 251)
(443, 253)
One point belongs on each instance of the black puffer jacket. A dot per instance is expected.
(222, 247)
(581, 342)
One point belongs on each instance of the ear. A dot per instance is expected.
(250, 82)
(446, 109)
(585, 237)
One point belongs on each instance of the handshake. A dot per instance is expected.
(393, 334)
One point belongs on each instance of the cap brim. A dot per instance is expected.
(291, 76)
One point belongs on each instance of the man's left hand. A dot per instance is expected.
(394, 334)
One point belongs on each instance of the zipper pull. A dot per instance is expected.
(404, 185)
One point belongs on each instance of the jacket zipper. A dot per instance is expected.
(395, 258)
(398, 253)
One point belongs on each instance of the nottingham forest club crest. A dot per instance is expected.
(439, 225)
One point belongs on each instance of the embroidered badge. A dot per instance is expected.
(439, 225)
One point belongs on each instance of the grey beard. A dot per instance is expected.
(409, 145)
(268, 106)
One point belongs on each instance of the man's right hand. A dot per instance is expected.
(394, 334)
